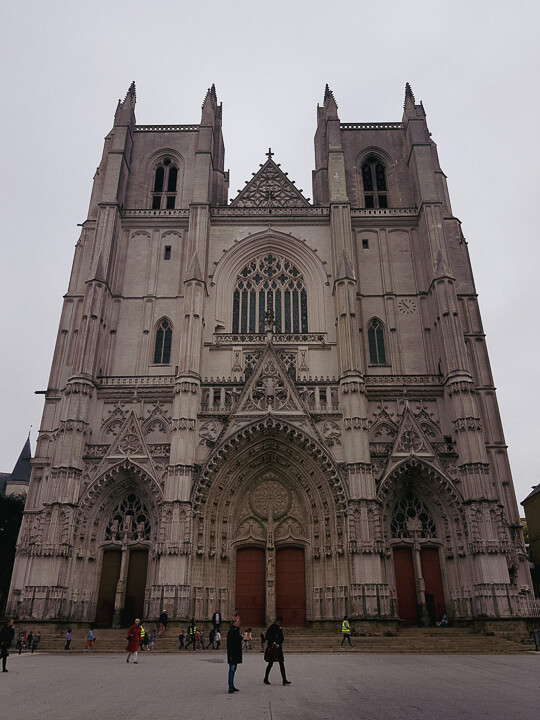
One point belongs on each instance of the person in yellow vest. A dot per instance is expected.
(345, 631)
(143, 635)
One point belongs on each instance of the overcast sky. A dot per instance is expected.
(474, 64)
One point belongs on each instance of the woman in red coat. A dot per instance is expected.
(134, 638)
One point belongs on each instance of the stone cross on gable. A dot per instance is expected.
(269, 154)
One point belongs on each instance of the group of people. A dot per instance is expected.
(273, 653)
(26, 641)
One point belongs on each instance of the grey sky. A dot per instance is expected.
(473, 64)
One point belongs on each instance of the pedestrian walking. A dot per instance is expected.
(345, 631)
(30, 641)
(234, 652)
(216, 620)
(68, 639)
(263, 641)
(181, 638)
(21, 638)
(217, 639)
(274, 650)
(35, 642)
(192, 633)
(134, 639)
(163, 620)
(6, 638)
(90, 640)
(211, 637)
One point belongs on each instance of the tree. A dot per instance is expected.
(11, 512)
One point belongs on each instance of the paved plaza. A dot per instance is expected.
(194, 685)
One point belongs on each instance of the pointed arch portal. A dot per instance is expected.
(269, 532)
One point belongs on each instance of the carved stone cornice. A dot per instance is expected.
(356, 423)
(467, 423)
(186, 386)
(73, 426)
(353, 386)
(82, 386)
(182, 424)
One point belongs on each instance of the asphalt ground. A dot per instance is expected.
(324, 687)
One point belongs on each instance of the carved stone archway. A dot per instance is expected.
(269, 486)
(423, 525)
(119, 512)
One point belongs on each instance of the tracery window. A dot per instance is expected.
(129, 520)
(412, 517)
(164, 187)
(162, 347)
(374, 183)
(377, 352)
(270, 282)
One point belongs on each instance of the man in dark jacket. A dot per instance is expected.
(234, 651)
(274, 640)
(6, 637)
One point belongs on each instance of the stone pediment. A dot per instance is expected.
(411, 440)
(269, 390)
(129, 444)
(270, 187)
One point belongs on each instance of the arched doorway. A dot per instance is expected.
(124, 564)
(270, 489)
(417, 569)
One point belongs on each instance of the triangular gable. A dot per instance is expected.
(269, 389)
(130, 443)
(270, 187)
(411, 440)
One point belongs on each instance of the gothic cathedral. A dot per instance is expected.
(270, 405)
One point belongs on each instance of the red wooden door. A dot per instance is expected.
(431, 572)
(291, 586)
(405, 585)
(249, 602)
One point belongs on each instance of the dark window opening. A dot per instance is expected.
(377, 352)
(270, 283)
(365, 244)
(162, 348)
(167, 255)
(374, 183)
(165, 185)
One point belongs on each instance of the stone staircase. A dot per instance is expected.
(407, 640)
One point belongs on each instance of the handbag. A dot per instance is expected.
(271, 653)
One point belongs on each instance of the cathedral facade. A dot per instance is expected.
(270, 405)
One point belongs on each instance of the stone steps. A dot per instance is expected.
(301, 640)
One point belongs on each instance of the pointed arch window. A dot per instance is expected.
(374, 183)
(164, 188)
(270, 282)
(129, 520)
(377, 351)
(411, 517)
(162, 347)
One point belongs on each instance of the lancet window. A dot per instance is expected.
(164, 186)
(270, 282)
(129, 521)
(411, 517)
(377, 351)
(374, 183)
(162, 347)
